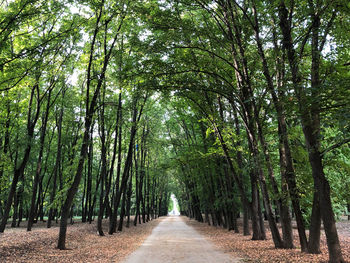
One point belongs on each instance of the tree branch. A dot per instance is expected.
(334, 146)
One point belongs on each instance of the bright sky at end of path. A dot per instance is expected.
(175, 210)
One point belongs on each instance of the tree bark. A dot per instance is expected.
(122, 212)
(315, 226)
(128, 203)
(39, 163)
(103, 174)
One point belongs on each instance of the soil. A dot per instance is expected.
(83, 243)
(263, 251)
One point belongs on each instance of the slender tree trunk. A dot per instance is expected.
(257, 234)
(58, 161)
(128, 163)
(20, 209)
(89, 202)
(144, 200)
(101, 209)
(128, 203)
(140, 195)
(103, 175)
(94, 200)
(266, 199)
(5, 147)
(148, 196)
(65, 212)
(15, 209)
(122, 212)
(83, 211)
(261, 217)
(39, 163)
(315, 226)
(246, 230)
(282, 203)
(137, 188)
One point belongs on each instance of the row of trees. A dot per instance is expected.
(75, 132)
(268, 129)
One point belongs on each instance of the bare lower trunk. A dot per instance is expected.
(315, 226)
(246, 231)
(322, 186)
(128, 203)
(122, 213)
(15, 210)
(256, 222)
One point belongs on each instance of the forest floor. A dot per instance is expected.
(83, 243)
(264, 251)
(174, 241)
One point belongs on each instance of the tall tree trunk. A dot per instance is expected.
(246, 230)
(261, 217)
(15, 209)
(137, 186)
(315, 226)
(65, 212)
(58, 161)
(89, 202)
(128, 203)
(122, 212)
(258, 170)
(20, 208)
(117, 142)
(5, 147)
(83, 208)
(103, 174)
(39, 163)
(144, 199)
(282, 203)
(148, 195)
(257, 233)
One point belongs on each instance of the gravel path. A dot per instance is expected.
(174, 241)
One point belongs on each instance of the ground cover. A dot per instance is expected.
(264, 251)
(83, 243)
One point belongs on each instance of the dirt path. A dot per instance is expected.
(174, 241)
